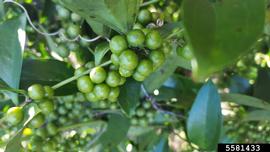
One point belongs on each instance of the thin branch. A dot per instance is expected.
(149, 3)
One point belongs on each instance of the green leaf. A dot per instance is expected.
(117, 129)
(184, 63)
(262, 85)
(257, 115)
(221, 31)
(205, 119)
(14, 145)
(116, 14)
(47, 72)
(246, 100)
(100, 52)
(99, 28)
(12, 43)
(161, 145)
(5, 87)
(156, 79)
(2, 11)
(129, 100)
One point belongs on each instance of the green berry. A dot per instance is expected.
(145, 16)
(75, 17)
(125, 73)
(115, 59)
(46, 106)
(102, 91)
(122, 81)
(36, 92)
(84, 84)
(14, 115)
(73, 30)
(98, 75)
(145, 67)
(37, 121)
(113, 79)
(79, 70)
(51, 129)
(153, 40)
(140, 112)
(137, 26)
(91, 97)
(117, 44)
(90, 65)
(114, 93)
(129, 60)
(49, 92)
(136, 38)
(138, 77)
(62, 51)
(158, 58)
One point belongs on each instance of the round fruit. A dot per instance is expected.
(37, 121)
(75, 17)
(36, 92)
(129, 60)
(134, 121)
(115, 59)
(98, 75)
(137, 26)
(143, 122)
(62, 110)
(102, 91)
(122, 81)
(146, 31)
(145, 16)
(62, 12)
(140, 112)
(91, 97)
(125, 73)
(138, 77)
(51, 128)
(84, 84)
(114, 93)
(79, 70)
(48, 146)
(35, 143)
(158, 58)
(117, 44)
(49, 92)
(136, 38)
(90, 65)
(46, 106)
(147, 105)
(14, 115)
(153, 40)
(42, 132)
(113, 79)
(73, 30)
(113, 67)
(145, 67)
(62, 51)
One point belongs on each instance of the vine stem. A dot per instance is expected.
(149, 2)
(62, 83)
(156, 106)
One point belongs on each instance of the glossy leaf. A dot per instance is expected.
(2, 11)
(100, 52)
(117, 129)
(205, 119)
(47, 72)
(129, 100)
(116, 14)
(12, 43)
(262, 85)
(99, 28)
(246, 100)
(221, 31)
(156, 79)
(257, 115)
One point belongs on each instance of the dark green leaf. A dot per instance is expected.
(117, 129)
(155, 80)
(100, 52)
(258, 115)
(99, 28)
(205, 119)
(262, 85)
(14, 145)
(161, 145)
(221, 31)
(11, 49)
(47, 72)
(116, 14)
(128, 99)
(246, 100)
